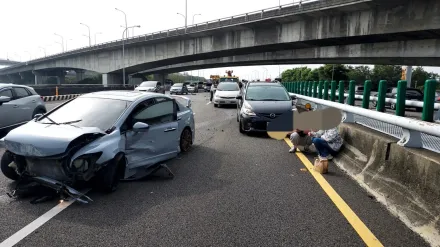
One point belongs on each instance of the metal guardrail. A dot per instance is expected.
(410, 132)
(297, 7)
(326, 90)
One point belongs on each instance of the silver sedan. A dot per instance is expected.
(105, 136)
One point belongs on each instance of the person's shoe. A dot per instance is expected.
(292, 150)
(307, 150)
(328, 157)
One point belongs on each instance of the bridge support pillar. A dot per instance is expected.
(160, 77)
(38, 77)
(111, 79)
(79, 74)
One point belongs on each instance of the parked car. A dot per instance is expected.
(201, 85)
(18, 105)
(226, 93)
(193, 88)
(411, 94)
(85, 140)
(151, 86)
(260, 103)
(179, 88)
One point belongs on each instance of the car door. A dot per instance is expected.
(159, 142)
(24, 104)
(7, 109)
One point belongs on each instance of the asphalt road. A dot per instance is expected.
(229, 190)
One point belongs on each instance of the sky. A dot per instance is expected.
(28, 27)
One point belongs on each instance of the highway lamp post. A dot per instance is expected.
(95, 36)
(62, 41)
(265, 74)
(195, 16)
(90, 40)
(67, 42)
(185, 16)
(125, 15)
(123, 53)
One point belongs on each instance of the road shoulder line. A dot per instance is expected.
(366, 235)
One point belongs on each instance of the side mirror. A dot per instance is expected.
(239, 97)
(4, 99)
(140, 127)
(37, 116)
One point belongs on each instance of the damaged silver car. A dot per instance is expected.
(101, 137)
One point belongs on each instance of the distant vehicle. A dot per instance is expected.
(151, 86)
(226, 93)
(193, 88)
(208, 86)
(201, 85)
(411, 94)
(179, 88)
(260, 103)
(101, 137)
(18, 105)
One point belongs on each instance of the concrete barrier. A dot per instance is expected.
(59, 97)
(405, 180)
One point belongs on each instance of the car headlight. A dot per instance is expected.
(84, 162)
(247, 110)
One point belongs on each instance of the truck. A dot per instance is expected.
(229, 77)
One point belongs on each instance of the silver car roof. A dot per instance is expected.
(123, 95)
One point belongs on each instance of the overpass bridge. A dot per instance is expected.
(351, 27)
(7, 62)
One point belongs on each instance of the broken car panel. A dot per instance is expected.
(101, 137)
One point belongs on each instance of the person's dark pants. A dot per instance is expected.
(212, 95)
(322, 147)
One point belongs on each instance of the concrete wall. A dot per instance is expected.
(420, 52)
(314, 29)
(406, 180)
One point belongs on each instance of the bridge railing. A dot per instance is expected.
(297, 7)
(330, 91)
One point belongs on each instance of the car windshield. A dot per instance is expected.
(267, 93)
(88, 112)
(178, 85)
(148, 84)
(228, 79)
(228, 87)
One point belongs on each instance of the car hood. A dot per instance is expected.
(268, 107)
(227, 93)
(41, 140)
(176, 88)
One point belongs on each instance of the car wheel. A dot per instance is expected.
(38, 111)
(108, 178)
(185, 140)
(418, 109)
(393, 106)
(9, 172)
(215, 105)
(240, 127)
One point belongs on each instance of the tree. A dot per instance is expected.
(391, 73)
(359, 73)
(336, 72)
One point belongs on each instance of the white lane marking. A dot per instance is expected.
(34, 225)
(209, 103)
